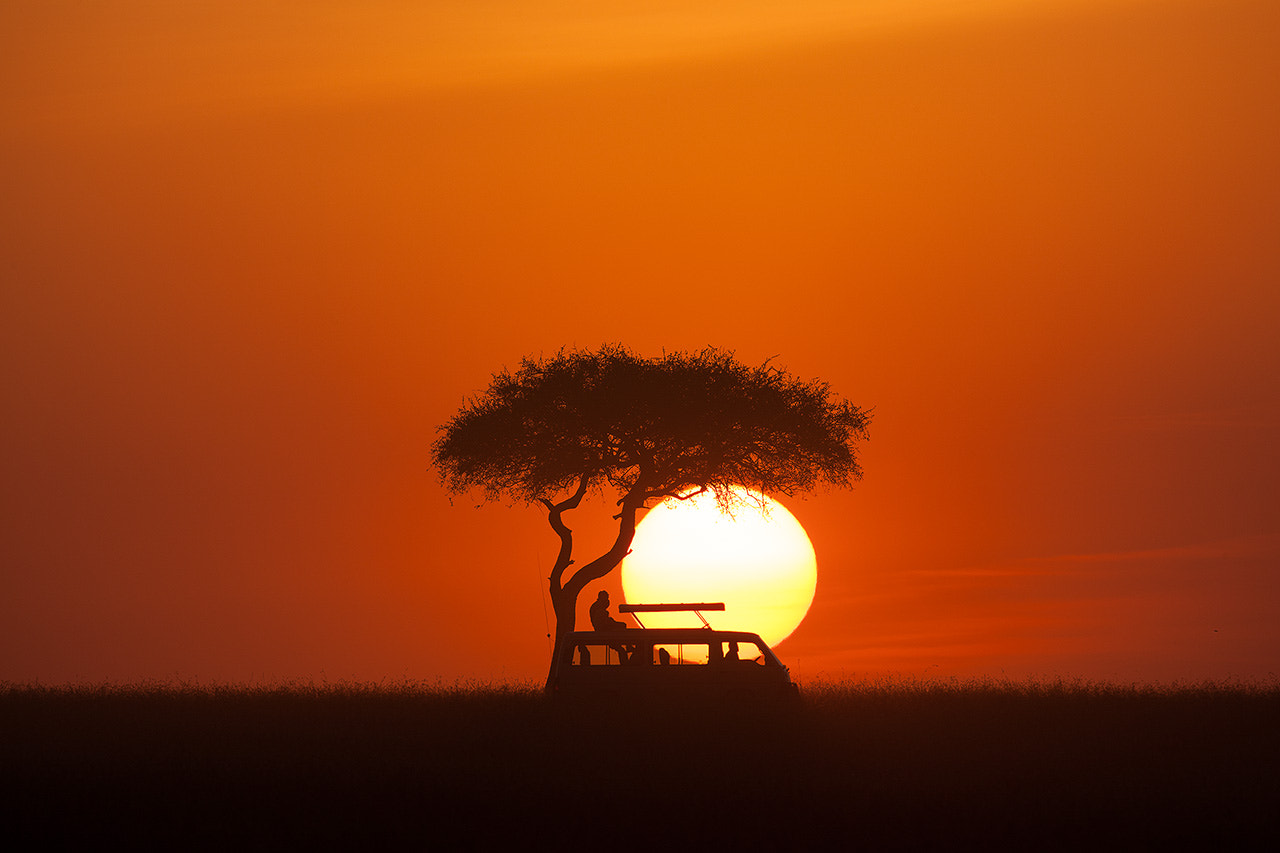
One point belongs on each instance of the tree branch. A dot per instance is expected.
(606, 562)
(555, 513)
(680, 497)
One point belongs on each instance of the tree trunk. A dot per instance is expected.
(564, 595)
(565, 606)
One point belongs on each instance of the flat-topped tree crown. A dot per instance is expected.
(644, 429)
(660, 426)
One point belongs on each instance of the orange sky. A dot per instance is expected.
(253, 253)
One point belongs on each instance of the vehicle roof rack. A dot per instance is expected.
(695, 607)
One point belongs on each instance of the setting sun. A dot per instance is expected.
(757, 560)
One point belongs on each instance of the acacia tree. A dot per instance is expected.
(556, 430)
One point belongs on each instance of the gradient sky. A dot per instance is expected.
(253, 253)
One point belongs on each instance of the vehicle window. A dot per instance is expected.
(683, 654)
(746, 650)
(601, 654)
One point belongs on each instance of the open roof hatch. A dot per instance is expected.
(696, 608)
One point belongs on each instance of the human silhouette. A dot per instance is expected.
(732, 654)
(600, 618)
(602, 621)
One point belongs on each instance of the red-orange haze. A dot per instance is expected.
(253, 254)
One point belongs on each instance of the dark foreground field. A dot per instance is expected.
(877, 767)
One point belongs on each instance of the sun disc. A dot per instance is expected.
(757, 560)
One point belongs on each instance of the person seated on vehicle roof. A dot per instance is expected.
(600, 618)
(602, 621)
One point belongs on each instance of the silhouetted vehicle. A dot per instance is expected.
(669, 664)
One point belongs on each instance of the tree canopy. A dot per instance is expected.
(650, 428)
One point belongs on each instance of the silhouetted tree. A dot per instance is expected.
(645, 429)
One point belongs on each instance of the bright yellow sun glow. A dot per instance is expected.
(758, 561)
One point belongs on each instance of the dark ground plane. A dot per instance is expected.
(910, 767)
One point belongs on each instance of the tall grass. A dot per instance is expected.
(894, 764)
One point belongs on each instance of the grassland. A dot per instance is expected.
(878, 766)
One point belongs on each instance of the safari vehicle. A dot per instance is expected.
(669, 664)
